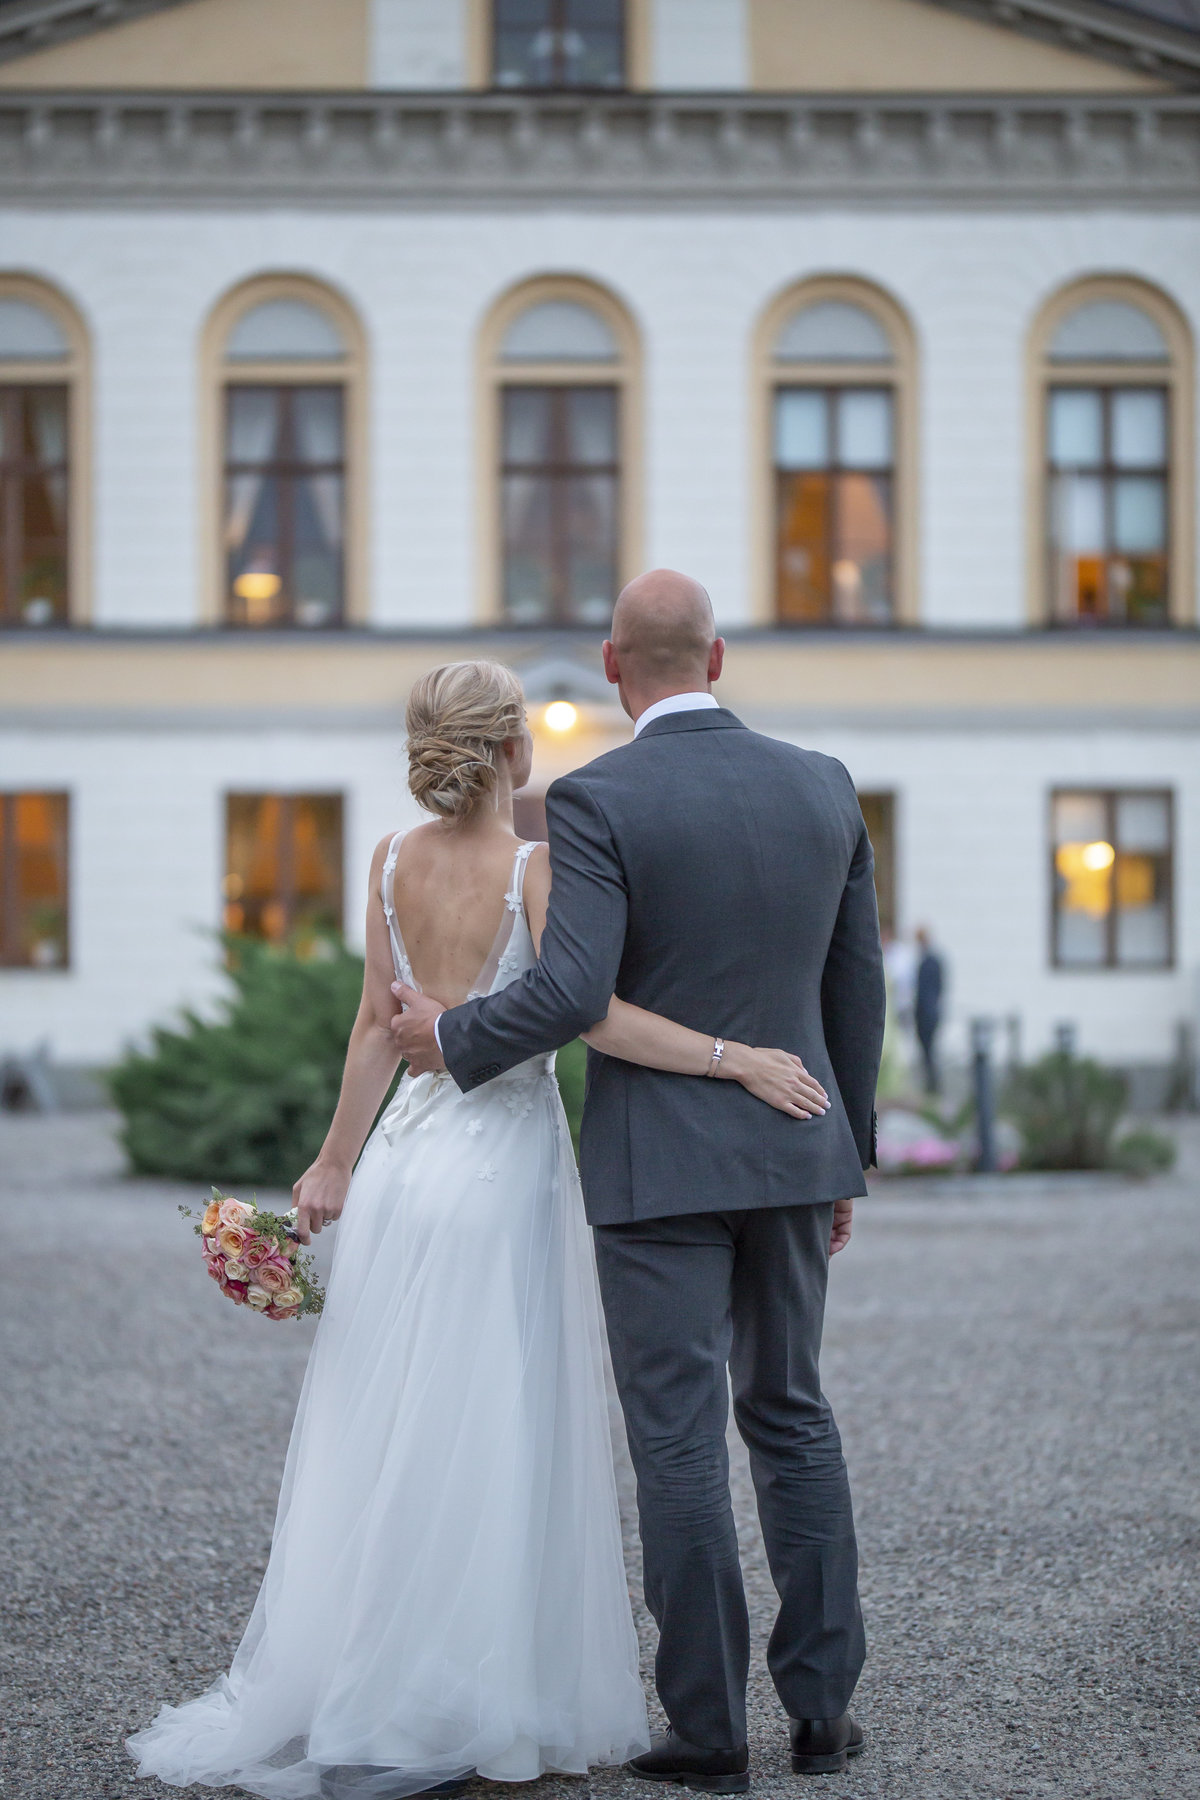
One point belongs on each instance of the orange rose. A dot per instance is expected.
(212, 1214)
(232, 1240)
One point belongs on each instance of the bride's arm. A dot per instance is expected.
(635, 1035)
(371, 1062)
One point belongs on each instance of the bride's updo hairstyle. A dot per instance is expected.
(458, 716)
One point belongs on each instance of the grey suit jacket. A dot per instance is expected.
(724, 880)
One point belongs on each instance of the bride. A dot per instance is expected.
(446, 1593)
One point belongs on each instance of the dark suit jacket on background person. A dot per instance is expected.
(725, 880)
(927, 1012)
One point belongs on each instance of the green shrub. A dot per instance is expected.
(1144, 1152)
(246, 1098)
(572, 1073)
(1067, 1109)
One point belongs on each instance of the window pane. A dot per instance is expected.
(316, 573)
(1077, 514)
(1108, 331)
(1139, 513)
(285, 331)
(253, 421)
(801, 429)
(1083, 865)
(45, 425)
(527, 511)
(591, 425)
(590, 520)
(1076, 428)
(833, 331)
(864, 429)
(29, 334)
(255, 574)
(1143, 822)
(283, 864)
(803, 567)
(559, 331)
(33, 877)
(528, 425)
(1139, 428)
(861, 570)
(317, 425)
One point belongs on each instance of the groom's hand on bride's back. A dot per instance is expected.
(412, 1029)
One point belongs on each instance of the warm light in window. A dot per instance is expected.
(561, 715)
(1098, 856)
(257, 584)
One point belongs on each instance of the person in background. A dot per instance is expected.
(931, 981)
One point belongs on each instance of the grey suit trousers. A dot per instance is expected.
(683, 1297)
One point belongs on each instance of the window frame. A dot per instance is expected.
(288, 801)
(769, 372)
(494, 374)
(833, 469)
(1109, 797)
(8, 906)
(72, 372)
(557, 85)
(1177, 376)
(218, 373)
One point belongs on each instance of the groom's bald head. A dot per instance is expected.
(663, 630)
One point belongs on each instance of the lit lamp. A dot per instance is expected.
(561, 716)
(1098, 856)
(258, 588)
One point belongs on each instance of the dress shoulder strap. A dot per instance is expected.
(515, 897)
(387, 883)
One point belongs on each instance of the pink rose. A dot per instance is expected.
(275, 1311)
(216, 1267)
(256, 1251)
(236, 1290)
(275, 1275)
(235, 1212)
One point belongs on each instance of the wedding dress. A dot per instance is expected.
(446, 1590)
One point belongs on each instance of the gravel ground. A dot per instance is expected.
(1013, 1362)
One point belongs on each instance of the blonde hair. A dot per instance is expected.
(458, 716)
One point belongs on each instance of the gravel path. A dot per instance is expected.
(1013, 1362)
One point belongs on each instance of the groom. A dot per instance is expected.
(725, 880)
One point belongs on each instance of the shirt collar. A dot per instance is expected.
(673, 703)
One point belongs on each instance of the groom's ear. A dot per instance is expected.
(609, 652)
(716, 659)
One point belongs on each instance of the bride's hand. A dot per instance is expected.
(319, 1197)
(776, 1077)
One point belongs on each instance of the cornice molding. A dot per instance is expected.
(652, 151)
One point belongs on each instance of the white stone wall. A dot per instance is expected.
(418, 43)
(697, 44)
(696, 286)
(972, 863)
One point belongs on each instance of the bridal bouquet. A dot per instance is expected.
(255, 1257)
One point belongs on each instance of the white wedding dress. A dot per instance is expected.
(446, 1590)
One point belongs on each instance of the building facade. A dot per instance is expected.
(342, 337)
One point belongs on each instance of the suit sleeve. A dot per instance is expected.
(852, 996)
(570, 988)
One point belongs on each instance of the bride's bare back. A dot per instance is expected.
(449, 892)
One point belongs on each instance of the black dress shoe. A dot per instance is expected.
(343, 1779)
(672, 1758)
(822, 1746)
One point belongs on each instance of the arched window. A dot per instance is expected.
(42, 348)
(838, 362)
(1113, 406)
(289, 375)
(560, 358)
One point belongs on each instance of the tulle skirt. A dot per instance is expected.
(446, 1591)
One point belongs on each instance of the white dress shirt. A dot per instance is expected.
(672, 704)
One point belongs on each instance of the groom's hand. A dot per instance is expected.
(843, 1215)
(412, 1029)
